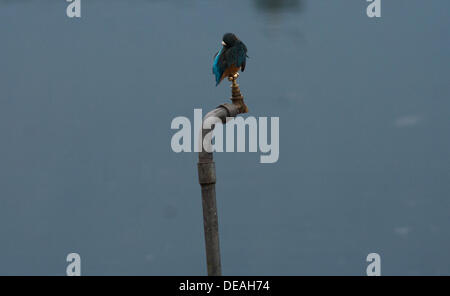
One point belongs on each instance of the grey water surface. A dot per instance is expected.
(86, 164)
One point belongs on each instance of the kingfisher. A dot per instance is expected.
(230, 58)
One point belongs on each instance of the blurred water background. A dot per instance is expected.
(85, 158)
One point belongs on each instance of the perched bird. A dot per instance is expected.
(230, 59)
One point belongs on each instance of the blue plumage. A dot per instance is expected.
(216, 69)
(230, 59)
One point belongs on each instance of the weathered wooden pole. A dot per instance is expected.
(207, 177)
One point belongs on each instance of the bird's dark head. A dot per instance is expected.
(229, 39)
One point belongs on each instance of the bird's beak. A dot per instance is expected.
(223, 43)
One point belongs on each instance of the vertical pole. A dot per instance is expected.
(207, 180)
